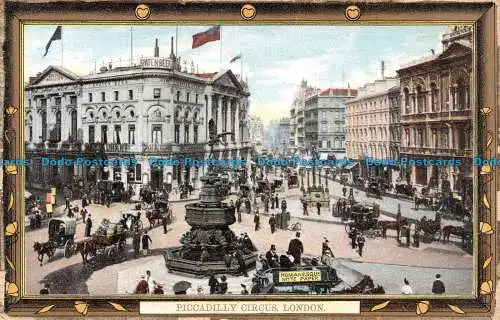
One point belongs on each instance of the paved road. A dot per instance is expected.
(69, 275)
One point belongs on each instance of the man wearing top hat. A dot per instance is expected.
(296, 248)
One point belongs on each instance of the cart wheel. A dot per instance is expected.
(68, 249)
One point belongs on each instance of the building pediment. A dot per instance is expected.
(53, 75)
(455, 50)
(228, 80)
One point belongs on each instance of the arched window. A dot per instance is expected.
(421, 105)
(434, 97)
(462, 95)
(406, 94)
(74, 125)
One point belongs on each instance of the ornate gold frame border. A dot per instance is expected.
(481, 15)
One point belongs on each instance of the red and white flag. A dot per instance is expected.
(212, 34)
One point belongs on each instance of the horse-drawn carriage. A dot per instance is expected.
(364, 218)
(61, 236)
(293, 180)
(263, 186)
(277, 185)
(374, 190)
(159, 210)
(131, 220)
(422, 199)
(431, 229)
(405, 189)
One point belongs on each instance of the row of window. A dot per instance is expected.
(156, 134)
(439, 138)
(55, 135)
(57, 101)
(156, 94)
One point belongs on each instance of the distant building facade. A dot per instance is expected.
(325, 121)
(372, 126)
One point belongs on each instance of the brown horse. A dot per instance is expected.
(154, 217)
(449, 230)
(86, 248)
(47, 248)
(366, 286)
(392, 225)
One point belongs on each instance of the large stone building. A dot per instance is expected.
(153, 109)
(325, 121)
(436, 116)
(373, 126)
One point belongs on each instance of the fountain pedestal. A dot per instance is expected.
(210, 241)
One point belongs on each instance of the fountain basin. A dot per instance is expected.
(175, 263)
(209, 217)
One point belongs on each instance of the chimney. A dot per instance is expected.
(157, 49)
(382, 69)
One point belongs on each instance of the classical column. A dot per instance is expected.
(219, 114)
(181, 132)
(451, 137)
(208, 114)
(237, 121)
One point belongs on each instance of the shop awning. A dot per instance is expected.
(351, 166)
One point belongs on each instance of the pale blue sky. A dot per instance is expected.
(275, 58)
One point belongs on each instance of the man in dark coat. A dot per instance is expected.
(353, 235)
(296, 248)
(361, 243)
(438, 285)
(272, 223)
(318, 206)
(272, 201)
(238, 210)
(304, 208)
(213, 283)
(326, 248)
(272, 257)
(241, 263)
(277, 201)
(285, 262)
(256, 220)
(142, 286)
(228, 258)
(283, 205)
(164, 221)
(136, 242)
(145, 242)
(88, 226)
(266, 204)
(344, 190)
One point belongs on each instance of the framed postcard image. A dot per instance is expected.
(250, 159)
